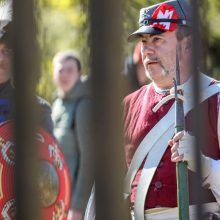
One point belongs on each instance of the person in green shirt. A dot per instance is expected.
(71, 114)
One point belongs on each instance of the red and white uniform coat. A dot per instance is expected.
(139, 119)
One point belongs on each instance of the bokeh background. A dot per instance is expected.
(64, 24)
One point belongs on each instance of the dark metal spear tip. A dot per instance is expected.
(175, 88)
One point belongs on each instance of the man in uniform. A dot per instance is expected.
(149, 118)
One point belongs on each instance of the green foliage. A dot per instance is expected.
(60, 27)
(212, 32)
(63, 24)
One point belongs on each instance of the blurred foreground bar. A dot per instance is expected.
(26, 68)
(198, 123)
(106, 51)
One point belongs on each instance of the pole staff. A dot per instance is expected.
(181, 167)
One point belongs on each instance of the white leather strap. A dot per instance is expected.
(150, 166)
(187, 88)
(165, 100)
(145, 146)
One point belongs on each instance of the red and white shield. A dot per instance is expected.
(54, 180)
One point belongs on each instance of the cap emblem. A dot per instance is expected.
(165, 11)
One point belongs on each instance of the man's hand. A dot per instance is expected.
(74, 215)
(183, 149)
(174, 143)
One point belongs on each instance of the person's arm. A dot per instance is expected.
(84, 139)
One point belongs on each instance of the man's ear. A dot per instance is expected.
(187, 43)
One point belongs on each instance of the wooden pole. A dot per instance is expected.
(181, 167)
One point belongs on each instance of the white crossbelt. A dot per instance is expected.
(150, 166)
(145, 146)
(156, 146)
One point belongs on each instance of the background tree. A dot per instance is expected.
(63, 24)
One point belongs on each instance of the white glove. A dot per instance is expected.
(187, 149)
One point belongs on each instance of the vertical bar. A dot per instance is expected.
(197, 115)
(25, 72)
(106, 46)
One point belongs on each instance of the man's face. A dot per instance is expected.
(159, 55)
(66, 74)
(5, 63)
